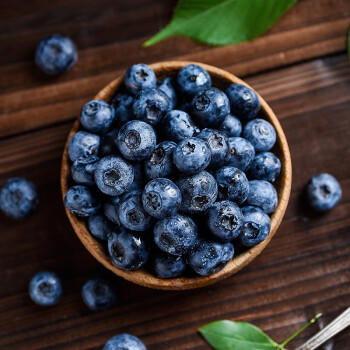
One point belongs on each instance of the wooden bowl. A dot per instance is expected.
(220, 79)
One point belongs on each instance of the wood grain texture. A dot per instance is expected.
(306, 267)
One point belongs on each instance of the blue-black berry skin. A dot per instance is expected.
(139, 77)
(98, 294)
(136, 140)
(18, 198)
(108, 143)
(176, 234)
(209, 108)
(83, 169)
(261, 134)
(139, 178)
(45, 288)
(192, 79)
(242, 153)
(113, 175)
(232, 184)
(192, 155)
(82, 201)
(178, 125)
(161, 198)
(124, 342)
(83, 144)
(244, 102)
(111, 209)
(198, 192)
(122, 104)
(55, 54)
(166, 265)
(263, 195)
(210, 257)
(231, 126)
(151, 105)
(100, 227)
(128, 250)
(219, 146)
(256, 226)
(160, 162)
(324, 192)
(167, 85)
(265, 166)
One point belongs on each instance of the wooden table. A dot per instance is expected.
(301, 69)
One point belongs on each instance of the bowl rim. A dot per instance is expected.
(142, 277)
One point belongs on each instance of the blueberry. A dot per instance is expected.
(108, 143)
(186, 107)
(242, 153)
(265, 166)
(210, 257)
(136, 140)
(167, 265)
(83, 168)
(210, 107)
(178, 125)
(219, 146)
(232, 184)
(192, 155)
(124, 342)
(263, 195)
(323, 192)
(128, 250)
(132, 214)
(100, 227)
(82, 201)
(83, 144)
(160, 162)
(176, 234)
(151, 105)
(192, 79)
(161, 197)
(256, 226)
(198, 192)
(167, 86)
(97, 116)
(18, 198)
(113, 175)
(122, 104)
(261, 134)
(45, 288)
(98, 294)
(231, 126)
(244, 102)
(55, 54)
(139, 179)
(111, 209)
(139, 77)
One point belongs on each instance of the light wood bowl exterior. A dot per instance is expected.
(220, 79)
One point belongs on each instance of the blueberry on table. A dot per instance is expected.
(192, 155)
(122, 104)
(83, 144)
(256, 226)
(192, 79)
(261, 134)
(210, 257)
(18, 198)
(139, 77)
(136, 140)
(128, 250)
(55, 54)
(178, 125)
(263, 195)
(124, 342)
(242, 153)
(244, 101)
(160, 162)
(113, 175)
(161, 198)
(82, 201)
(83, 168)
(209, 108)
(98, 294)
(198, 192)
(167, 86)
(108, 143)
(111, 209)
(45, 288)
(265, 166)
(167, 265)
(231, 126)
(100, 227)
(324, 192)
(176, 234)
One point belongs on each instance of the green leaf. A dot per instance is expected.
(229, 335)
(222, 22)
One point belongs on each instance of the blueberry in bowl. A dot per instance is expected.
(182, 182)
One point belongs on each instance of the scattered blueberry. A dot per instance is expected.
(111, 209)
(265, 166)
(139, 77)
(167, 86)
(167, 265)
(231, 126)
(263, 195)
(83, 169)
(100, 227)
(108, 143)
(241, 153)
(124, 342)
(83, 144)
(261, 134)
(122, 104)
